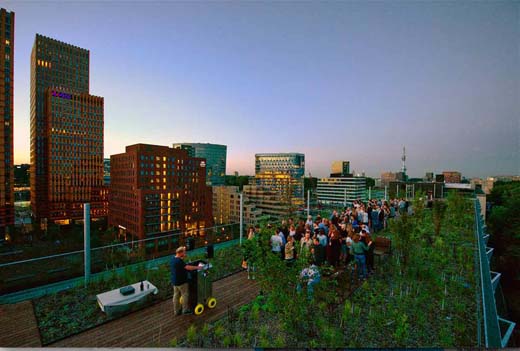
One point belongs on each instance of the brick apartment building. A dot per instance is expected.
(157, 189)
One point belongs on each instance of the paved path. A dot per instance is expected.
(156, 326)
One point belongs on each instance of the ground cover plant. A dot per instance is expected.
(72, 311)
(421, 296)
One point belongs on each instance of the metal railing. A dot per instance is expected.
(488, 318)
(52, 271)
(34, 272)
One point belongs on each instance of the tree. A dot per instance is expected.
(239, 181)
(310, 183)
(370, 182)
(504, 227)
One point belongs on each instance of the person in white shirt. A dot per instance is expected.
(276, 243)
(309, 221)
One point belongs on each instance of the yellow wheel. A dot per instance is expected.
(180, 300)
(199, 309)
(212, 302)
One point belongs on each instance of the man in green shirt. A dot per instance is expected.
(358, 249)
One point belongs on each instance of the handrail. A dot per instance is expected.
(492, 332)
(133, 242)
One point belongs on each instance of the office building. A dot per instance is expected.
(341, 190)
(226, 206)
(156, 189)
(387, 177)
(340, 169)
(268, 201)
(282, 173)
(66, 134)
(452, 176)
(6, 128)
(215, 156)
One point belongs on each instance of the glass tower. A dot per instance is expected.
(283, 173)
(215, 156)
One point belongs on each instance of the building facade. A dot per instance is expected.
(215, 156)
(74, 136)
(67, 134)
(269, 202)
(156, 189)
(6, 128)
(387, 177)
(452, 176)
(485, 184)
(340, 169)
(341, 190)
(226, 206)
(282, 173)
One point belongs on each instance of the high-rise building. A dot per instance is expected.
(66, 134)
(282, 173)
(215, 156)
(6, 128)
(340, 169)
(452, 176)
(156, 189)
(341, 190)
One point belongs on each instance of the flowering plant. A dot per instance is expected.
(310, 274)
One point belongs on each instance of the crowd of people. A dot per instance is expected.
(338, 240)
(344, 237)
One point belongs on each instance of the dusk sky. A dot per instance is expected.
(350, 81)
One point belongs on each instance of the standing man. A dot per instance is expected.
(179, 278)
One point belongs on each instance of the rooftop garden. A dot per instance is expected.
(75, 310)
(423, 295)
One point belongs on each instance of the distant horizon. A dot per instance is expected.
(366, 175)
(338, 81)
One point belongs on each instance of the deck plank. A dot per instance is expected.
(19, 327)
(155, 326)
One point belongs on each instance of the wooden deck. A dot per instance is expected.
(19, 328)
(156, 326)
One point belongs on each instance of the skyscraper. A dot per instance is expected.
(215, 156)
(66, 134)
(283, 173)
(6, 128)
